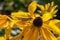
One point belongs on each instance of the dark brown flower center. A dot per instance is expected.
(37, 22)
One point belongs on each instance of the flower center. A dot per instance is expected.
(37, 22)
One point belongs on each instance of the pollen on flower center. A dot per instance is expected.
(37, 22)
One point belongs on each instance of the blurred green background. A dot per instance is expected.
(15, 5)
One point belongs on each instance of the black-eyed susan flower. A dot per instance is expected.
(48, 12)
(38, 25)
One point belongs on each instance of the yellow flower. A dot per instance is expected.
(48, 12)
(38, 25)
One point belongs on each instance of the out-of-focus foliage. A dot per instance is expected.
(58, 3)
(2, 32)
(14, 5)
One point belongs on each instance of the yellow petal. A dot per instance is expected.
(3, 17)
(37, 15)
(13, 22)
(53, 9)
(41, 7)
(53, 25)
(47, 35)
(46, 16)
(19, 18)
(43, 34)
(28, 35)
(47, 6)
(21, 24)
(35, 34)
(8, 32)
(2, 38)
(19, 14)
(32, 7)
(52, 4)
(3, 21)
(24, 31)
(6, 24)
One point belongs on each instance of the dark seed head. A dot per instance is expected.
(38, 22)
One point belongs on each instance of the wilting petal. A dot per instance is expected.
(47, 35)
(32, 7)
(35, 34)
(53, 25)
